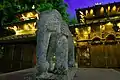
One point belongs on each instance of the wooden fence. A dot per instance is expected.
(101, 56)
(17, 57)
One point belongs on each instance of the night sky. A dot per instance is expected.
(74, 4)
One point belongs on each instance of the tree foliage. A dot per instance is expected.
(10, 7)
(73, 21)
(7, 11)
(54, 4)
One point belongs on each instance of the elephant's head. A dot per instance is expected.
(49, 21)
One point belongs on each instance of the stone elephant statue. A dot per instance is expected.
(53, 39)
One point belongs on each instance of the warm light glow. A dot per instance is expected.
(108, 8)
(37, 16)
(86, 12)
(15, 28)
(77, 30)
(85, 32)
(114, 8)
(118, 25)
(108, 27)
(91, 11)
(109, 23)
(82, 20)
(102, 10)
(28, 28)
(31, 26)
(82, 16)
(28, 16)
(24, 18)
(102, 27)
(33, 7)
(81, 12)
(75, 42)
(89, 29)
(25, 29)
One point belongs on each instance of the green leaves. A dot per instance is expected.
(1, 7)
(45, 6)
(42, 5)
(61, 7)
(73, 21)
(55, 4)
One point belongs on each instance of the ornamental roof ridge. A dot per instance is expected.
(89, 7)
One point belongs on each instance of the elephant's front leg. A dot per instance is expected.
(51, 51)
(71, 54)
(61, 54)
(42, 46)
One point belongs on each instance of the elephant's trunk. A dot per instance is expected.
(42, 46)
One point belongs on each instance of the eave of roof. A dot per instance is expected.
(21, 22)
(115, 3)
(94, 22)
(15, 39)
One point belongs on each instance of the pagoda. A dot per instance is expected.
(97, 35)
(18, 51)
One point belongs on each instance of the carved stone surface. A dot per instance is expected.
(61, 53)
(71, 57)
(71, 72)
(53, 39)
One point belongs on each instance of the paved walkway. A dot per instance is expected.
(97, 74)
(26, 74)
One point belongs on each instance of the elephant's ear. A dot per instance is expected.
(64, 29)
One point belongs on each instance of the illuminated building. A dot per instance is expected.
(18, 51)
(97, 36)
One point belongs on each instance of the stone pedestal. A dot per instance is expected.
(69, 76)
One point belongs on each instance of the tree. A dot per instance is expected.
(7, 11)
(62, 8)
(10, 7)
(73, 21)
(54, 4)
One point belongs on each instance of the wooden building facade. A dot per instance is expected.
(18, 51)
(97, 36)
(17, 54)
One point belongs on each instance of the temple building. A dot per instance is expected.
(97, 36)
(18, 51)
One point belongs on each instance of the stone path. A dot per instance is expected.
(97, 74)
(26, 74)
